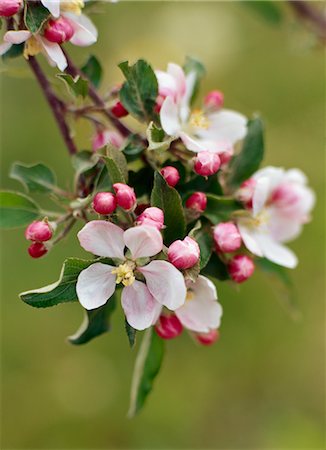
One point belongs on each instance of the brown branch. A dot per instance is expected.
(311, 14)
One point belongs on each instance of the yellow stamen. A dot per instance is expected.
(190, 295)
(74, 6)
(199, 120)
(125, 273)
(32, 47)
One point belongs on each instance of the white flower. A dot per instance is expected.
(199, 129)
(281, 204)
(141, 301)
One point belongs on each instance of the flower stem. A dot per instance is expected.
(54, 103)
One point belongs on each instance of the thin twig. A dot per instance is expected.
(310, 13)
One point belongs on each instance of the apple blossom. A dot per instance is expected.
(119, 110)
(37, 249)
(206, 163)
(207, 338)
(241, 267)
(214, 100)
(39, 230)
(184, 254)
(152, 216)
(125, 195)
(9, 8)
(197, 201)
(104, 203)
(103, 138)
(171, 175)
(141, 301)
(227, 237)
(168, 327)
(59, 30)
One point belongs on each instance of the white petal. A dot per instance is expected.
(169, 117)
(260, 195)
(140, 307)
(200, 145)
(283, 229)
(165, 283)
(53, 6)
(4, 47)
(17, 37)
(296, 176)
(85, 31)
(225, 125)
(178, 75)
(166, 84)
(102, 239)
(143, 241)
(276, 252)
(55, 53)
(202, 312)
(95, 285)
(249, 237)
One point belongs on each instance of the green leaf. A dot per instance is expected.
(245, 163)
(92, 70)
(220, 209)
(36, 178)
(142, 180)
(167, 198)
(204, 238)
(84, 161)
(282, 285)
(201, 184)
(216, 268)
(35, 15)
(17, 210)
(102, 181)
(75, 86)
(148, 364)
(131, 334)
(139, 92)
(267, 10)
(63, 290)
(194, 65)
(96, 322)
(155, 137)
(14, 51)
(133, 147)
(116, 165)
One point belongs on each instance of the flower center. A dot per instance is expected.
(125, 273)
(32, 47)
(74, 6)
(199, 120)
(261, 219)
(190, 295)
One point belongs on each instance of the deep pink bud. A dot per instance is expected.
(125, 194)
(104, 203)
(226, 156)
(152, 216)
(214, 100)
(9, 8)
(119, 110)
(40, 231)
(246, 192)
(171, 175)
(59, 30)
(207, 338)
(206, 163)
(37, 249)
(227, 237)
(241, 267)
(184, 254)
(197, 201)
(168, 327)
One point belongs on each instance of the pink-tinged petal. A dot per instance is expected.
(140, 307)
(53, 6)
(166, 84)
(260, 195)
(105, 137)
(143, 241)
(199, 145)
(201, 311)
(225, 125)
(95, 285)
(165, 283)
(4, 47)
(102, 239)
(249, 237)
(276, 252)
(169, 117)
(85, 31)
(17, 37)
(55, 53)
(179, 78)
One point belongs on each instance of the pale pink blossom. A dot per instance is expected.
(184, 254)
(141, 301)
(103, 138)
(151, 216)
(227, 237)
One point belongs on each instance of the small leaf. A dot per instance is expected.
(204, 238)
(102, 181)
(133, 147)
(14, 51)
(116, 165)
(194, 65)
(155, 137)
(62, 291)
(167, 198)
(248, 160)
(219, 209)
(75, 86)
(216, 268)
(139, 92)
(92, 70)
(35, 16)
(17, 210)
(84, 161)
(201, 184)
(96, 322)
(36, 178)
(131, 334)
(148, 364)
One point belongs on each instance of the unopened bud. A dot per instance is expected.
(227, 237)
(104, 203)
(40, 231)
(168, 327)
(207, 338)
(214, 100)
(197, 201)
(118, 110)
(171, 175)
(184, 254)
(125, 195)
(9, 8)
(152, 216)
(206, 163)
(59, 30)
(241, 267)
(37, 249)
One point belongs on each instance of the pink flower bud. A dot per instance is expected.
(39, 230)
(104, 203)
(102, 138)
(207, 338)
(171, 175)
(152, 216)
(226, 156)
(206, 163)
(125, 194)
(184, 254)
(214, 100)
(118, 110)
(37, 249)
(59, 30)
(197, 201)
(246, 192)
(168, 327)
(241, 267)
(227, 237)
(9, 8)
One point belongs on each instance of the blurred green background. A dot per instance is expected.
(262, 385)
